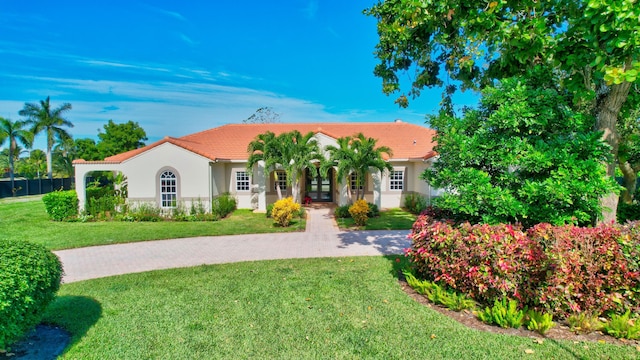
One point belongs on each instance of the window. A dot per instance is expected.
(168, 189)
(354, 183)
(396, 180)
(242, 181)
(282, 181)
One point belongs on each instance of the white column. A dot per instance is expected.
(260, 182)
(80, 177)
(376, 176)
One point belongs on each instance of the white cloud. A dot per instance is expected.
(188, 40)
(169, 108)
(172, 14)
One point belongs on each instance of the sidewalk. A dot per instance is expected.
(322, 238)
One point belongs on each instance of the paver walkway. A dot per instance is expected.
(322, 238)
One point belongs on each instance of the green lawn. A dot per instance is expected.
(392, 219)
(27, 220)
(333, 308)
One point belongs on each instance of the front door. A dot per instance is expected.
(319, 189)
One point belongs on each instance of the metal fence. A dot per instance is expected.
(25, 187)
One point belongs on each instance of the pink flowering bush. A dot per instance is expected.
(563, 269)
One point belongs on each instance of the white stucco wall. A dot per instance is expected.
(244, 198)
(395, 198)
(143, 172)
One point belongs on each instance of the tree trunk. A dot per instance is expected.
(49, 167)
(630, 176)
(12, 146)
(606, 117)
(295, 187)
(275, 176)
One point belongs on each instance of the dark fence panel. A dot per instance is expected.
(34, 187)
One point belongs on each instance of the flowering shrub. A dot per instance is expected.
(283, 211)
(359, 212)
(563, 270)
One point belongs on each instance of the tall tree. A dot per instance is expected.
(522, 156)
(14, 132)
(263, 115)
(118, 138)
(50, 121)
(592, 44)
(87, 149)
(64, 152)
(358, 155)
(629, 153)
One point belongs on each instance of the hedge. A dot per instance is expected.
(29, 278)
(558, 269)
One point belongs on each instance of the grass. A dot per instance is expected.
(28, 220)
(338, 308)
(392, 219)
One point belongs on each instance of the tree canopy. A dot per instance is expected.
(522, 156)
(292, 152)
(50, 121)
(593, 47)
(357, 155)
(118, 138)
(15, 133)
(263, 115)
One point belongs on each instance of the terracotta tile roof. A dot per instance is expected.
(229, 142)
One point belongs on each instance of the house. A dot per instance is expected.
(200, 166)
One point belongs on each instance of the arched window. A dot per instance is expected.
(168, 189)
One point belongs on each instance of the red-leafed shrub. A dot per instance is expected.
(587, 270)
(564, 269)
(487, 262)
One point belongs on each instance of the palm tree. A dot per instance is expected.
(342, 158)
(292, 152)
(299, 153)
(50, 121)
(358, 155)
(368, 156)
(266, 148)
(34, 165)
(64, 152)
(13, 130)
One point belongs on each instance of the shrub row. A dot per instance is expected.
(29, 278)
(63, 206)
(562, 270)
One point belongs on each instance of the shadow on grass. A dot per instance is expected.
(76, 314)
(398, 264)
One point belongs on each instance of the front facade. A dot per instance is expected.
(201, 166)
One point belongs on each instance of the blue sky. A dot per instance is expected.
(181, 67)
